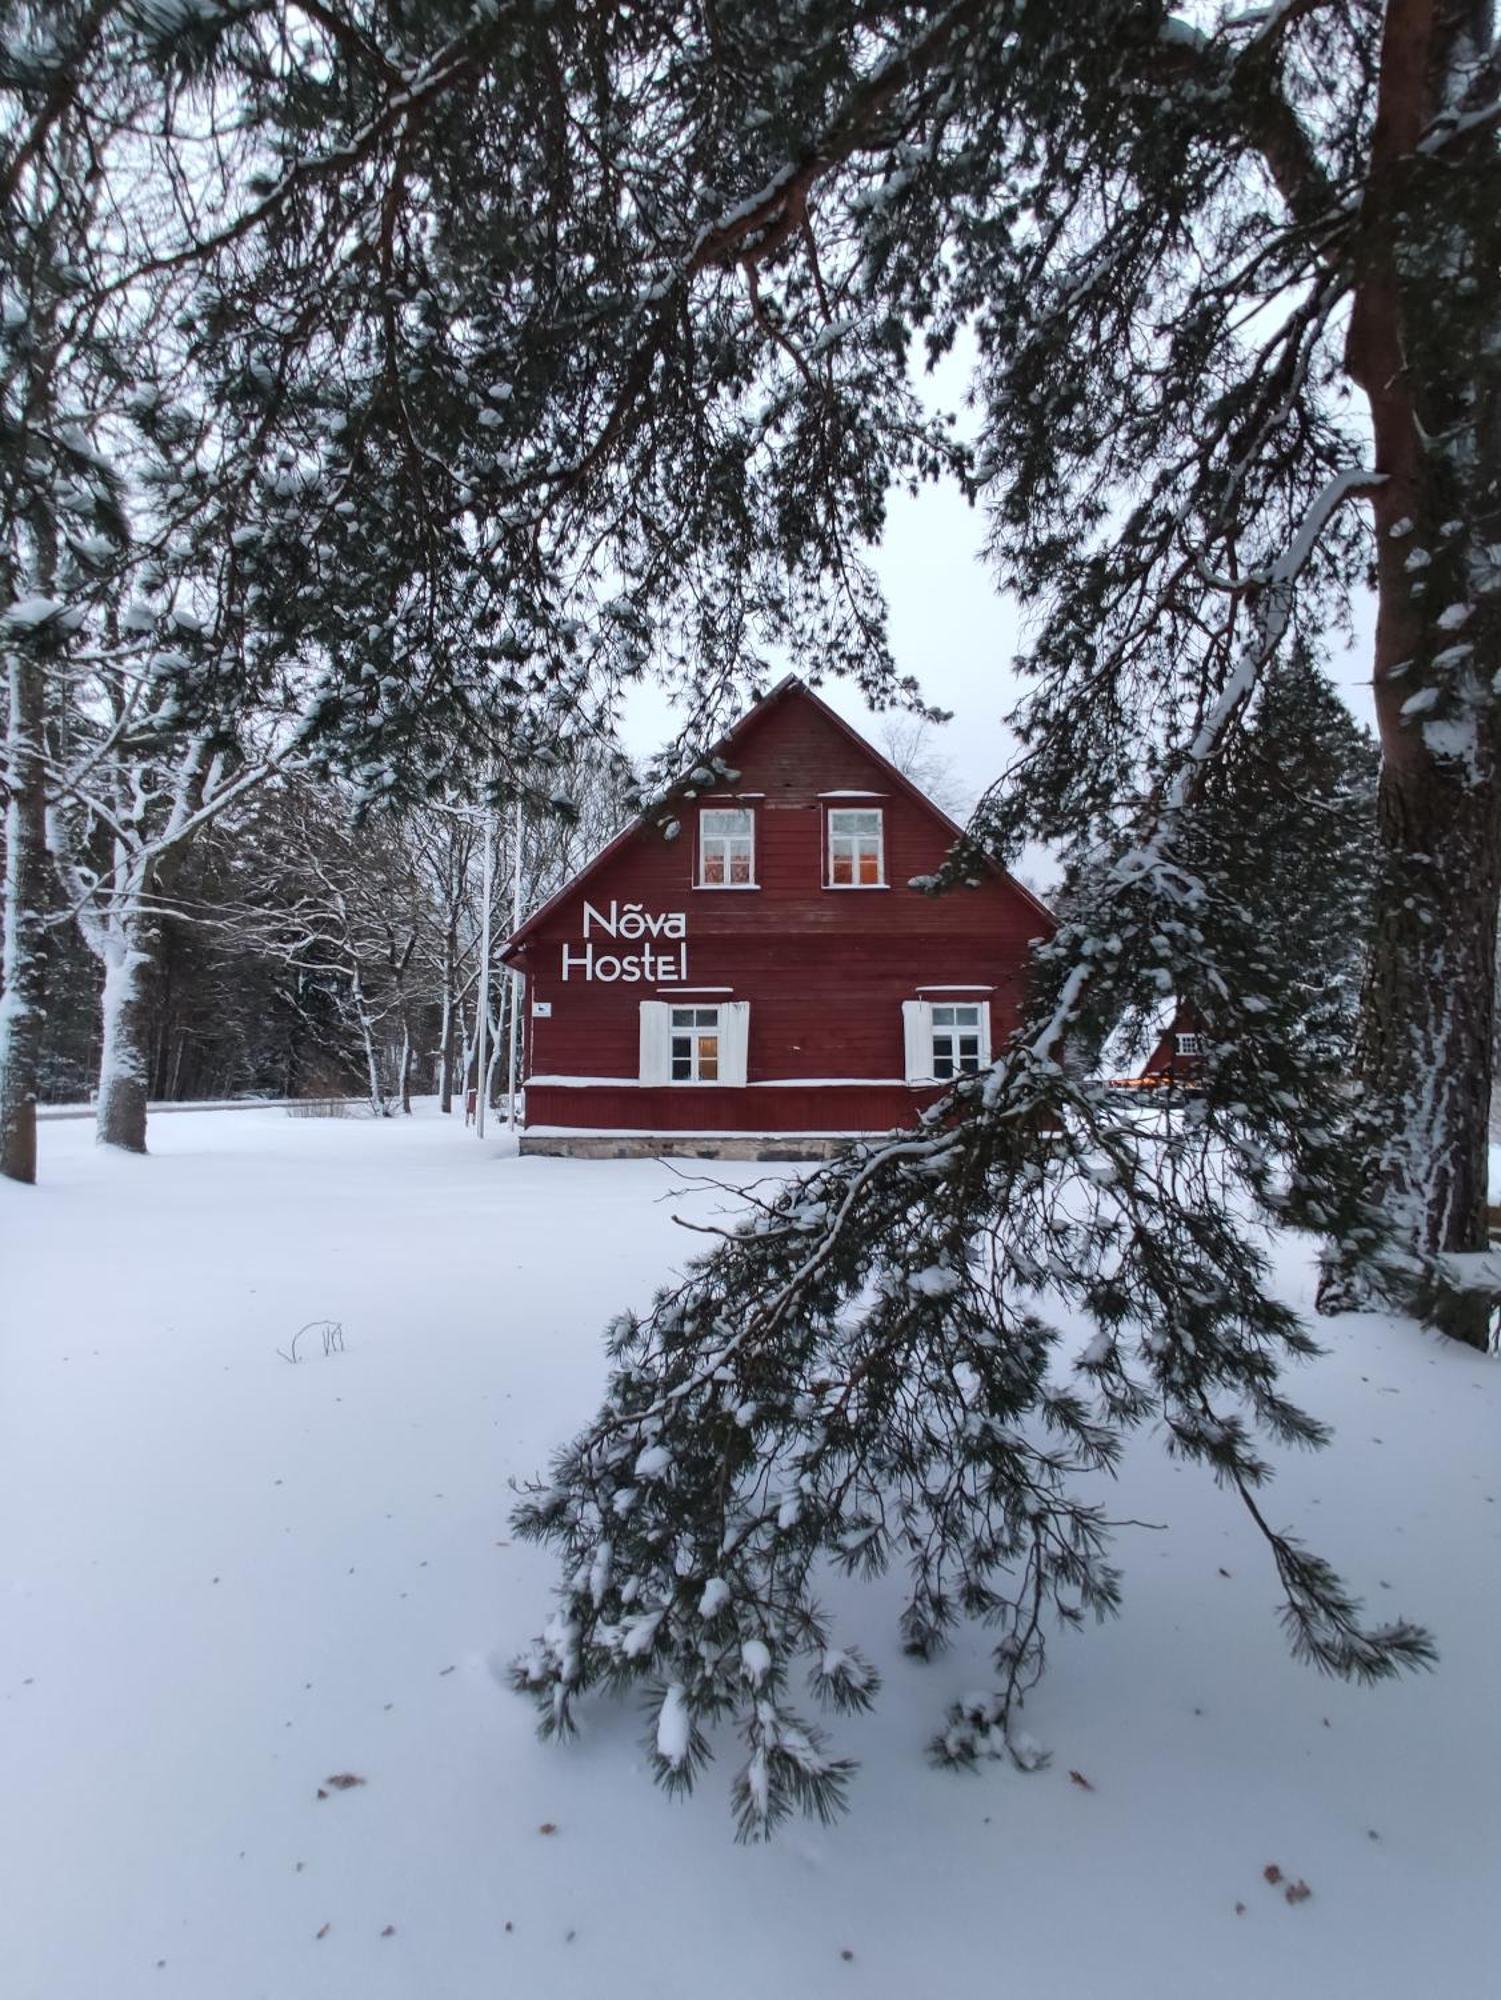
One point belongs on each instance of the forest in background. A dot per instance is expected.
(308, 952)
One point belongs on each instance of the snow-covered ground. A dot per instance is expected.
(230, 1579)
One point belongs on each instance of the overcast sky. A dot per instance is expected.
(949, 626)
(956, 634)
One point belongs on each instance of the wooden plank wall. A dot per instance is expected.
(825, 970)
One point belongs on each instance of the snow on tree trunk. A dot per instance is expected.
(125, 1061)
(378, 1103)
(1425, 331)
(492, 1064)
(1427, 1017)
(445, 1044)
(23, 979)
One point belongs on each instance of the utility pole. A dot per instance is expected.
(515, 976)
(482, 1026)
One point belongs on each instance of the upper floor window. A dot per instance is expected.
(857, 848)
(1189, 1045)
(726, 848)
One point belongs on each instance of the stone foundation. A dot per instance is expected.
(772, 1146)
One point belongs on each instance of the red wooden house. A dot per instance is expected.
(748, 970)
(1179, 1053)
(1176, 1060)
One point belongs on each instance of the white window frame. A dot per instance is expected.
(697, 1025)
(1189, 1044)
(732, 1027)
(856, 838)
(918, 1027)
(953, 1030)
(723, 845)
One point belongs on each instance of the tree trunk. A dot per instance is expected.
(24, 976)
(470, 1069)
(174, 1079)
(372, 1054)
(125, 1062)
(447, 1033)
(492, 1062)
(1428, 1019)
(1424, 328)
(1427, 1009)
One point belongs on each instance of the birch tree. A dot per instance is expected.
(345, 904)
(119, 828)
(446, 843)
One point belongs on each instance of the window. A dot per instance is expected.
(695, 1044)
(683, 1041)
(1189, 1045)
(956, 1041)
(727, 848)
(856, 850)
(945, 1038)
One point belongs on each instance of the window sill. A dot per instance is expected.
(725, 888)
(843, 888)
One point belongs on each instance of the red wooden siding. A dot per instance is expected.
(1165, 1061)
(825, 971)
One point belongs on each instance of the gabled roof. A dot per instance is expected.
(790, 685)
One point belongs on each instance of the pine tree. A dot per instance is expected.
(585, 333)
(1284, 826)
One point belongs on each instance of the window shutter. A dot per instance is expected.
(656, 1042)
(917, 1038)
(734, 1041)
(985, 1041)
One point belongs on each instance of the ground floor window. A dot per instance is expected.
(945, 1038)
(692, 1041)
(956, 1041)
(695, 1044)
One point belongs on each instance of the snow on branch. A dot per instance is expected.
(862, 1374)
